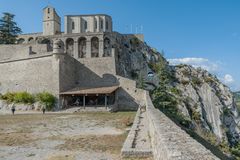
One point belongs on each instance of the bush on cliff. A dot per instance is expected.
(164, 95)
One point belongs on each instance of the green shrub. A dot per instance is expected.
(185, 73)
(135, 41)
(46, 99)
(196, 81)
(18, 97)
(185, 82)
(23, 97)
(208, 80)
(224, 146)
(134, 74)
(226, 111)
(175, 91)
(9, 97)
(196, 116)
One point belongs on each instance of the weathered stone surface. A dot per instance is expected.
(206, 95)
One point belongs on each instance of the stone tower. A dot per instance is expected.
(51, 21)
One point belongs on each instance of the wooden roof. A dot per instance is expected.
(90, 90)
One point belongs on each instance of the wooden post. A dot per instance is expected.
(84, 101)
(106, 101)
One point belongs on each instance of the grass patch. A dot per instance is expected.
(106, 143)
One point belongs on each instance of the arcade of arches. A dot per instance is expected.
(82, 46)
(93, 47)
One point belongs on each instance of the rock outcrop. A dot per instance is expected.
(206, 100)
(133, 57)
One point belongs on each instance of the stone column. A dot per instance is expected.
(79, 25)
(66, 21)
(98, 24)
(101, 46)
(88, 47)
(92, 25)
(75, 47)
(104, 24)
(112, 52)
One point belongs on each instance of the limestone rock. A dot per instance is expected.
(205, 94)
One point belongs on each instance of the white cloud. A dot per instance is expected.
(228, 79)
(196, 62)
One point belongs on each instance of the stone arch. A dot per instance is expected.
(95, 47)
(30, 39)
(70, 46)
(48, 42)
(82, 41)
(20, 41)
(107, 47)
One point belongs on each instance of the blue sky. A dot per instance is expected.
(199, 32)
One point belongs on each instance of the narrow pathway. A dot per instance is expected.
(138, 142)
(142, 139)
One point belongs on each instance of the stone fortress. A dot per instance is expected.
(90, 65)
(84, 72)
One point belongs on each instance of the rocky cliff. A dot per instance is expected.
(207, 102)
(201, 98)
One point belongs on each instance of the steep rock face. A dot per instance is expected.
(206, 99)
(133, 57)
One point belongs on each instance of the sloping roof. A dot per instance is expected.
(91, 90)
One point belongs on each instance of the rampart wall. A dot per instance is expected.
(21, 51)
(170, 142)
(33, 75)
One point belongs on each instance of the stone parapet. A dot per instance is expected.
(129, 148)
(169, 141)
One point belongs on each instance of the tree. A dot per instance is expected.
(8, 29)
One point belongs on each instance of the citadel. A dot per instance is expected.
(83, 66)
(90, 65)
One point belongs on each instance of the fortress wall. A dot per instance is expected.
(32, 75)
(96, 72)
(169, 141)
(68, 71)
(14, 52)
(129, 97)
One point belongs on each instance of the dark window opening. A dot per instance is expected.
(86, 25)
(48, 10)
(101, 24)
(95, 24)
(106, 25)
(73, 25)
